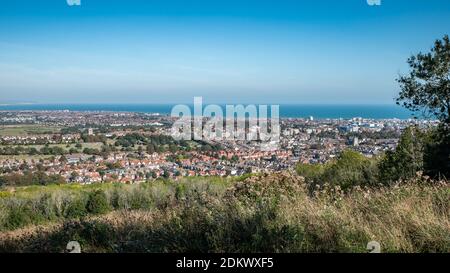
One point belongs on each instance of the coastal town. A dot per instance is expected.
(98, 146)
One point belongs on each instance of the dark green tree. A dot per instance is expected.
(426, 89)
(97, 202)
(437, 153)
(102, 174)
(407, 159)
(166, 174)
(2, 181)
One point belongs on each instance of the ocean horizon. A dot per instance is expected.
(319, 111)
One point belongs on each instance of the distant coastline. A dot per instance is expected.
(320, 111)
(18, 104)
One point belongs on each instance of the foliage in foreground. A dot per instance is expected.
(269, 213)
(419, 152)
(426, 91)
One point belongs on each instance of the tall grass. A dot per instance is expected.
(33, 205)
(269, 213)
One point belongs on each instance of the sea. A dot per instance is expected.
(378, 111)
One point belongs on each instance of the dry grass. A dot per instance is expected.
(274, 213)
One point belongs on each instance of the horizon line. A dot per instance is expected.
(191, 103)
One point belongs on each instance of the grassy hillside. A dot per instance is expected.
(269, 213)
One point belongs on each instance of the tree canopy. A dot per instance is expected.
(426, 88)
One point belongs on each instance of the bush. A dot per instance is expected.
(97, 202)
(19, 215)
(350, 169)
(311, 172)
(45, 206)
(76, 209)
(407, 159)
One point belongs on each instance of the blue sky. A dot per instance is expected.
(246, 51)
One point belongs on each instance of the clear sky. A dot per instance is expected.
(241, 51)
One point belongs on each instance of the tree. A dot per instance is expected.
(73, 176)
(140, 175)
(426, 88)
(97, 203)
(437, 153)
(2, 181)
(407, 159)
(350, 169)
(102, 174)
(76, 209)
(150, 148)
(166, 174)
(148, 176)
(311, 172)
(173, 148)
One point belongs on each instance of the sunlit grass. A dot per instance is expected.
(263, 213)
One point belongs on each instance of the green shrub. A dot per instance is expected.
(407, 159)
(310, 171)
(4, 194)
(76, 209)
(97, 202)
(19, 216)
(350, 169)
(45, 206)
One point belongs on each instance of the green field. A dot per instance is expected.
(66, 147)
(27, 130)
(94, 145)
(24, 157)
